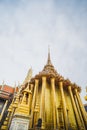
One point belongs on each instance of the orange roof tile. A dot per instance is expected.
(8, 89)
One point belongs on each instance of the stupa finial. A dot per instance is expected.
(49, 60)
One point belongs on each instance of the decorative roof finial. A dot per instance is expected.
(3, 83)
(49, 60)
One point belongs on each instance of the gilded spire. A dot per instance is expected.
(28, 77)
(49, 60)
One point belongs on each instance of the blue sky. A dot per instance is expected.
(27, 27)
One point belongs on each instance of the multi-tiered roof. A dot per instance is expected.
(49, 71)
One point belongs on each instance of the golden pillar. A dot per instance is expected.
(81, 107)
(34, 101)
(80, 114)
(36, 113)
(53, 101)
(3, 110)
(30, 98)
(42, 105)
(36, 109)
(75, 108)
(64, 105)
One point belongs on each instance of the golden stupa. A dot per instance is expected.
(47, 102)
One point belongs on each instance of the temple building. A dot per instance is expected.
(6, 96)
(46, 101)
